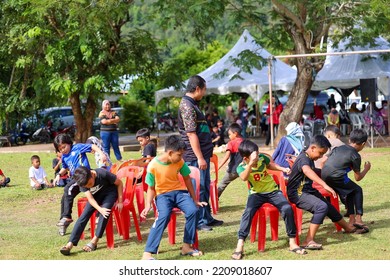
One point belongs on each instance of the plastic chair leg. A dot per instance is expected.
(261, 230)
(110, 233)
(172, 229)
(214, 198)
(254, 226)
(140, 198)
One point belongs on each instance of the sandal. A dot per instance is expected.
(312, 246)
(65, 251)
(89, 247)
(238, 255)
(298, 251)
(193, 253)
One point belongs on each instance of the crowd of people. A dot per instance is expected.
(325, 161)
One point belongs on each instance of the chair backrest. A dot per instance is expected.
(214, 175)
(279, 179)
(194, 175)
(129, 186)
(114, 168)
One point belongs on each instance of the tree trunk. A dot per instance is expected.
(84, 119)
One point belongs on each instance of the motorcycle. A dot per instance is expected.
(167, 123)
(21, 137)
(41, 135)
(71, 130)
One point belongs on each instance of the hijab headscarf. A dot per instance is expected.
(104, 111)
(295, 136)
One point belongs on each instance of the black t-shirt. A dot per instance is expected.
(297, 181)
(340, 161)
(149, 150)
(104, 182)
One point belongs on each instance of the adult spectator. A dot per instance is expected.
(195, 133)
(109, 129)
(331, 102)
(385, 116)
(277, 109)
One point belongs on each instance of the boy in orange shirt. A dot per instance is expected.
(168, 192)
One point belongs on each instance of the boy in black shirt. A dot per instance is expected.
(335, 173)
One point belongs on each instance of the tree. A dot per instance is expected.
(288, 26)
(76, 51)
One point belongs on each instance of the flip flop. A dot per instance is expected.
(239, 255)
(193, 253)
(298, 251)
(362, 226)
(91, 246)
(312, 246)
(65, 251)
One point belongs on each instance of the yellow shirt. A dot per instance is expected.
(164, 177)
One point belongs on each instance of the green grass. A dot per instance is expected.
(28, 222)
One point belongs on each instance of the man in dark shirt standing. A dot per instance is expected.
(195, 132)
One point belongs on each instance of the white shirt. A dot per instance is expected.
(39, 175)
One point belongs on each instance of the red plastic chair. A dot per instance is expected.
(259, 224)
(214, 185)
(324, 193)
(333, 200)
(81, 203)
(195, 174)
(128, 210)
(281, 181)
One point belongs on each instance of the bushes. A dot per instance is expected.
(135, 115)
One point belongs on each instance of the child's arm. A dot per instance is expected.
(274, 166)
(47, 182)
(104, 211)
(35, 181)
(190, 188)
(225, 159)
(96, 149)
(150, 194)
(309, 173)
(119, 185)
(360, 175)
(62, 172)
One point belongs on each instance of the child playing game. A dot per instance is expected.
(168, 192)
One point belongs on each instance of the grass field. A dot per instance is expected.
(28, 222)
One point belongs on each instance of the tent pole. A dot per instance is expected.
(271, 122)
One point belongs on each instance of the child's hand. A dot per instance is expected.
(145, 212)
(200, 203)
(287, 170)
(105, 212)
(367, 165)
(330, 190)
(119, 206)
(253, 157)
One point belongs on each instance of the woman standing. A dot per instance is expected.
(109, 129)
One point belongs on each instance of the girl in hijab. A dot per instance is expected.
(109, 129)
(291, 144)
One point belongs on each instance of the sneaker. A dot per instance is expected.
(205, 228)
(215, 223)
(63, 225)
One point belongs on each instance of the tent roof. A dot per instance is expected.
(345, 71)
(255, 83)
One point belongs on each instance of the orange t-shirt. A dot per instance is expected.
(164, 177)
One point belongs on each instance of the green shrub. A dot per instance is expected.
(135, 115)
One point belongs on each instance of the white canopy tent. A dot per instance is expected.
(255, 83)
(345, 71)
